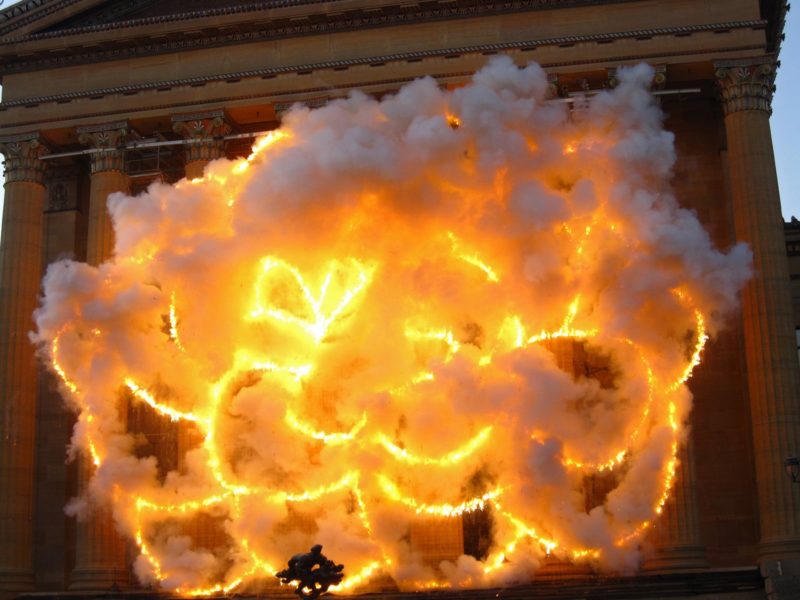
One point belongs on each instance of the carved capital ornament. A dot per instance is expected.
(23, 158)
(204, 134)
(108, 145)
(746, 86)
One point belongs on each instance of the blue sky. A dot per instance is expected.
(785, 119)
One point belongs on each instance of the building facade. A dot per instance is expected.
(109, 95)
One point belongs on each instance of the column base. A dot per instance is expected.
(558, 569)
(12, 582)
(689, 557)
(781, 578)
(85, 580)
(779, 549)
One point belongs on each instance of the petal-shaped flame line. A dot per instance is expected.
(173, 324)
(618, 456)
(551, 543)
(85, 416)
(567, 331)
(318, 326)
(174, 415)
(450, 458)
(701, 337)
(351, 479)
(437, 510)
(472, 259)
(293, 421)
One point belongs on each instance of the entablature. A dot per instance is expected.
(282, 19)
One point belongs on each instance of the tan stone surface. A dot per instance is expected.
(100, 551)
(20, 274)
(100, 244)
(720, 427)
(727, 511)
(100, 558)
(772, 367)
(235, 92)
(56, 479)
(436, 539)
(676, 537)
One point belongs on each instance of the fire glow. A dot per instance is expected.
(378, 317)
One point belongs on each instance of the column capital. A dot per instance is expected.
(659, 81)
(746, 84)
(108, 142)
(23, 154)
(204, 132)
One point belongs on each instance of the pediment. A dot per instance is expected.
(50, 16)
(116, 11)
(30, 16)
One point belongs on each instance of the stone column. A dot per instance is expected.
(676, 539)
(772, 368)
(108, 176)
(205, 134)
(20, 278)
(100, 556)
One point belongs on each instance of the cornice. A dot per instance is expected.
(161, 19)
(775, 12)
(158, 20)
(183, 38)
(249, 8)
(9, 20)
(290, 96)
(269, 72)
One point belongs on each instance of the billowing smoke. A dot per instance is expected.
(444, 311)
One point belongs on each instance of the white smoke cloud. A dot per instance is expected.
(392, 310)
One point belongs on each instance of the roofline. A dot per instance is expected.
(774, 11)
(216, 27)
(263, 5)
(25, 15)
(194, 14)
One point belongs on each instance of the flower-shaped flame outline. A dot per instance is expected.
(318, 329)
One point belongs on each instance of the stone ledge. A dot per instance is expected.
(718, 584)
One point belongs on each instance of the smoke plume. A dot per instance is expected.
(393, 316)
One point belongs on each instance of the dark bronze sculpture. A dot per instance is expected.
(314, 572)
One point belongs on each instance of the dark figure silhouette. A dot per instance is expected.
(314, 572)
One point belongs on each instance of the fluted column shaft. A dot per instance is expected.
(100, 557)
(100, 239)
(676, 535)
(772, 367)
(108, 176)
(204, 134)
(20, 278)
